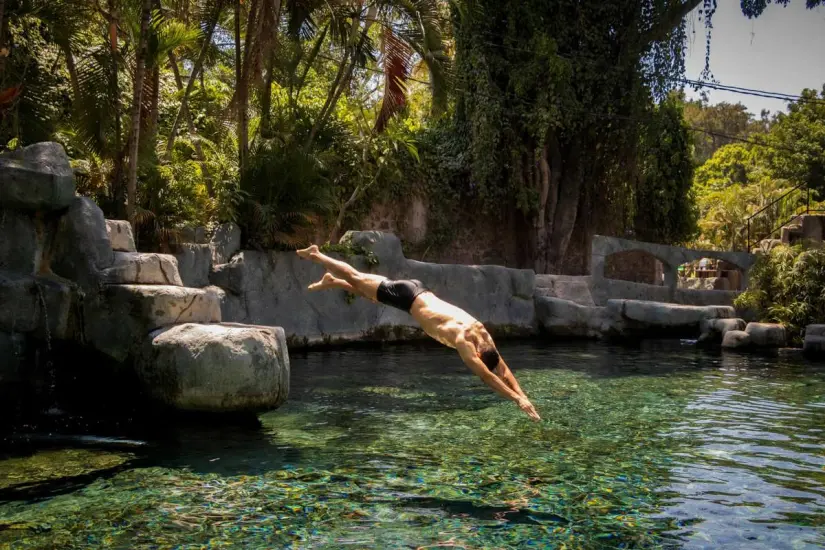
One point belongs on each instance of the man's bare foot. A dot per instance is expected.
(306, 253)
(327, 281)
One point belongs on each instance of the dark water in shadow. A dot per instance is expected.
(660, 446)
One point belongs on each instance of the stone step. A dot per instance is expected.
(127, 313)
(216, 368)
(144, 269)
(120, 235)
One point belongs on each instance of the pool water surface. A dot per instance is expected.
(660, 446)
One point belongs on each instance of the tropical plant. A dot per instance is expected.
(787, 285)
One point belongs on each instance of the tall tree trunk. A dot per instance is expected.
(196, 70)
(2, 35)
(554, 161)
(137, 98)
(564, 219)
(543, 184)
(266, 98)
(270, 15)
(154, 106)
(118, 192)
(339, 220)
(173, 62)
(71, 66)
(295, 88)
(238, 78)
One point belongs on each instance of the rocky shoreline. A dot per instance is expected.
(209, 328)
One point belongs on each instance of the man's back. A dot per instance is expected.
(441, 320)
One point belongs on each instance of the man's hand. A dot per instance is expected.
(526, 406)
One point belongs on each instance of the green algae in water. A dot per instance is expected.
(658, 448)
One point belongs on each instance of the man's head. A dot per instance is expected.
(489, 356)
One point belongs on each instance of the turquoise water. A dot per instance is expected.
(655, 447)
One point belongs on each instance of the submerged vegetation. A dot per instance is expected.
(295, 118)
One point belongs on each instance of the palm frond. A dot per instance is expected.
(396, 59)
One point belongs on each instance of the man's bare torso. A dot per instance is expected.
(442, 321)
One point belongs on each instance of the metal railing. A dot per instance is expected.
(754, 235)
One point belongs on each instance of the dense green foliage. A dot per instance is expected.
(787, 285)
(295, 117)
(720, 124)
(666, 179)
(769, 174)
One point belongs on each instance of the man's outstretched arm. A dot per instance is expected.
(468, 355)
(509, 379)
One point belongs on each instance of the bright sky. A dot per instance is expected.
(783, 50)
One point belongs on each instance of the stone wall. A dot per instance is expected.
(636, 266)
(269, 288)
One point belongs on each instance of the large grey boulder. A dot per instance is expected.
(385, 246)
(658, 318)
(561, 317)
(144, 269)
(38, 305)
(217, 368)
(36, 178)
(81, 248)
(120, 235)
(714, 330)
(225, 243)
(18, 242)
(736, 339)
(814, 344)
(121, 316)
(194, 264)
(193, 235)
(567, 287)
(767, 335)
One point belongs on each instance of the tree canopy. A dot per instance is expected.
(293, 116)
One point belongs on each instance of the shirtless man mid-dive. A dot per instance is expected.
(444, 322)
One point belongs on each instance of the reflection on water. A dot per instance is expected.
(656, 447)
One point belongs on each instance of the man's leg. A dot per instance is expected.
(329, 281)
(365, 284)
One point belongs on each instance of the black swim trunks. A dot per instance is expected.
(400, 294)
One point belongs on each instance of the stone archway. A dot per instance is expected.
(670, 256)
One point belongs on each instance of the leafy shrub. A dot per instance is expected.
(787, 286)
(287, 191)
